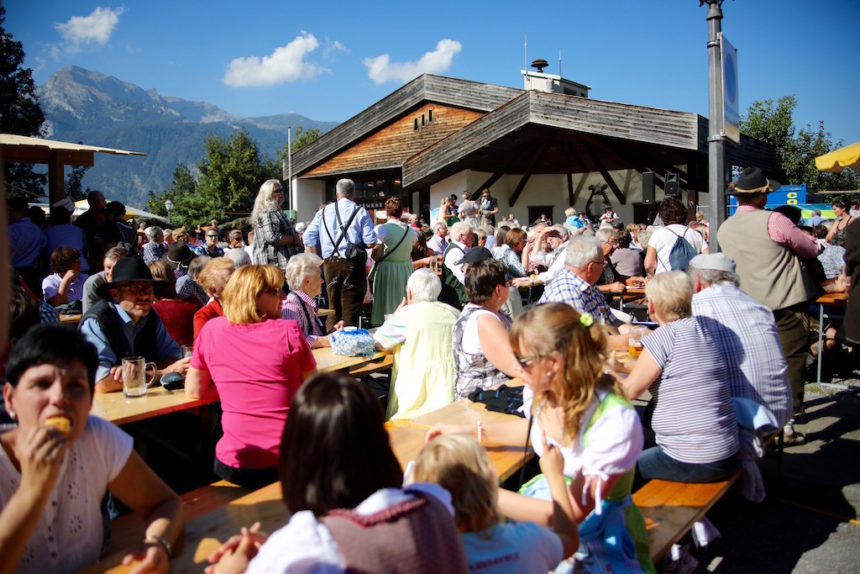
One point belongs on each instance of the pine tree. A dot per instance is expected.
(20, 112)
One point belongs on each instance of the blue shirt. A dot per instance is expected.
(27, 243)
(90, 328)
(360, 231)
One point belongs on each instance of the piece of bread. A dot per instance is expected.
(63, 424)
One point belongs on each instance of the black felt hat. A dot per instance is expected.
(179, 254)
(752, 180)
(128, 270)
(476, 255)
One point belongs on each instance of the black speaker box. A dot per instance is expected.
(648, 187)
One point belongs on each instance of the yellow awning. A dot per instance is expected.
(837, 160)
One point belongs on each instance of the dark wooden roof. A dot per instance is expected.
(425, 88)
(539, 132)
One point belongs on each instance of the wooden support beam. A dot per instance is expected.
(570, 195)
(580, 186)
(526, 175)
(607, 177)
(490, 181)
(56, 178)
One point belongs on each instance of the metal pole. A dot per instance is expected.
(290, 168)
(716, 140)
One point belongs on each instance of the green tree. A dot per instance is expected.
(74, 187)
(772, 122)
(230, 175)
(187, 205)
(20, 112)
(231, 172)
(302, 138)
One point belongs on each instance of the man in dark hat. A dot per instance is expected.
(767, 249)
(124, 326)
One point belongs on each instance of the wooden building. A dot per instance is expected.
(538, 151)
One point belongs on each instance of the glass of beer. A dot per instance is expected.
(634, 342)
(134, 376)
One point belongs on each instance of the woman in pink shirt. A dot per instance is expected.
(257, 361)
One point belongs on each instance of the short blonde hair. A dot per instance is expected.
(239, 299)
(300, 266)
(180, 234)
(671, 293)
(215, 274)
(457, 463)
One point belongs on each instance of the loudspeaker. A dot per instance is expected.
(645, 212)
(648, 187)
(672, 188)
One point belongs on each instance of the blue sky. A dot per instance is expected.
(330, 60)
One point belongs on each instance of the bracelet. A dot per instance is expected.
(156, 539)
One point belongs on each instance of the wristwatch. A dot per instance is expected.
(156, 539)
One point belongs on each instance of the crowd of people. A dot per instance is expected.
(463, 306)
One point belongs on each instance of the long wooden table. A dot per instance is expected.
(121, 410)
(207, 532)
(328, 362)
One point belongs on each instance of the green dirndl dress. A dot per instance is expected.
(390, 275)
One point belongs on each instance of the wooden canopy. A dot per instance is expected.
(55, 154)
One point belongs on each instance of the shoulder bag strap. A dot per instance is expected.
(387, 253)
(310, 329)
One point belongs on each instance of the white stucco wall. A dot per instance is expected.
(308, 194)
(547, 190)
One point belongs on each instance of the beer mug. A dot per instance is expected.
(134, 376)
(634, 341)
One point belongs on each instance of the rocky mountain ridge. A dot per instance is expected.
(94, 108)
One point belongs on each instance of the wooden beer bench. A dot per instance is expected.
(671, 509)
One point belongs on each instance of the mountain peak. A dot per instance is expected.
(99, 109)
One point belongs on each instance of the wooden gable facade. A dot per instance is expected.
(389, 147)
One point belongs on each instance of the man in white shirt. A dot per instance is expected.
(558, 238)
(453, 276)
(439, 242)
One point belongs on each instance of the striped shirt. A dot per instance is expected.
(693, 417)
(745, 332)
(299, 306)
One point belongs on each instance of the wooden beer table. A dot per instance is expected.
(118, 409)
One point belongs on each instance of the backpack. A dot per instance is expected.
(682, 252)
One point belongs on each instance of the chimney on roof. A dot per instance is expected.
(552, 83)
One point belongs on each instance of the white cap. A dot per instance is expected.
(713, 261)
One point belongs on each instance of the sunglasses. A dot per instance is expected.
(526, 362)
(212, 236)
(145, 289)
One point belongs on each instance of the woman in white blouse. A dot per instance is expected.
(59, 461)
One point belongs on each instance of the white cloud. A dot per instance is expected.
(333, 46)
(382, 70)
(285, 64)
(93, 29)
